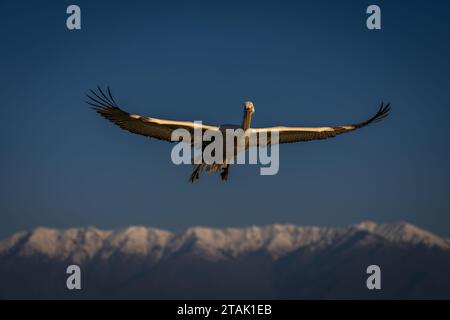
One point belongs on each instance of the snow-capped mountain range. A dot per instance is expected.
(272, 261)
(81, 244)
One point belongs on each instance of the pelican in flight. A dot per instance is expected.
(104, 104)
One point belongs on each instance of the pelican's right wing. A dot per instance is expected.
(161, 129)
(298, 134)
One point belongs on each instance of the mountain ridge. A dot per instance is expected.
(279, 261)
(216, 243)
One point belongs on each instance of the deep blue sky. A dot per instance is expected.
(301, 63)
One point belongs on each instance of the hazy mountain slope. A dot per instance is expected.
(276, 261)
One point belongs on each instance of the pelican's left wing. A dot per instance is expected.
(298, 134)
(104, 104)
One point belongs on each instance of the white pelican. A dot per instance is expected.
(104, 104)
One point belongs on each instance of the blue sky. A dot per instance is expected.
(301, 63)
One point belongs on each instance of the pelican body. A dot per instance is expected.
(224, 165)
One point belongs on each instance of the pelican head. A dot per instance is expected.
(249, 107)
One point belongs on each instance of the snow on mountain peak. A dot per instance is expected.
(366, 225)
(81, 244)
(403, 232)
(138, 240)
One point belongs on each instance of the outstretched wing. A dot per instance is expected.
(104, 104)
(298, 134)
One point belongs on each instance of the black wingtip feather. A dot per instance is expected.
(100, 101)
(382, 113)
(105, 96)
(103, 101)
(96, 101)
(110, 95)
